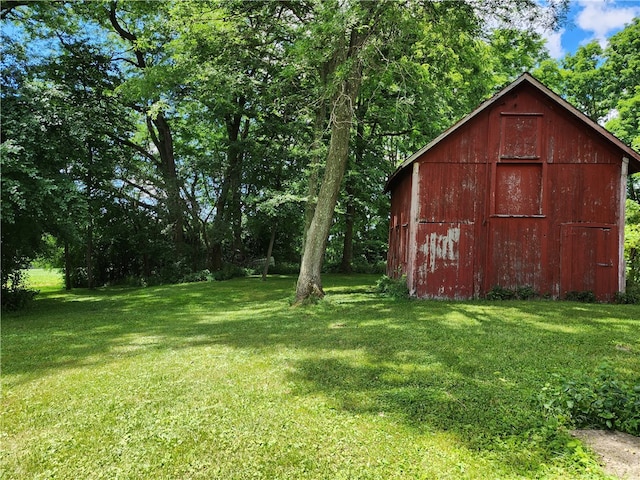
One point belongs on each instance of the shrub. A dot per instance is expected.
(393, 287)
(631, 296)
(200, 276)
(603, 401)
(520, 293)
(284, 268)
(499, 293)
(227, 272)
(586, 296)
(17, 298)
(15, 294)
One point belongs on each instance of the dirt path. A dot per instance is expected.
(619, 452)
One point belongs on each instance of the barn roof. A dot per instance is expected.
(634, 157)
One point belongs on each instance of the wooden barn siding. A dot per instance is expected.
(538, 209)
(397, 257)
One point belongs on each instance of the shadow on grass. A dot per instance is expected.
(469, 367)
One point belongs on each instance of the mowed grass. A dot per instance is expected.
(225, 380)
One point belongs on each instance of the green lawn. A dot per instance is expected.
(225, 380)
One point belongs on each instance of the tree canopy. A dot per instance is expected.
(163, 141)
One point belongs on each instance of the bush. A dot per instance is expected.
(586, 296)
(520, 293)
(228, 272)
(200, 276)
(17, 298)
(631, 296)
(393, 287)
(15, 294)
(284, 268)
(603, 401)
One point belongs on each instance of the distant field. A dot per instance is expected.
(45, 279)
(225, 380)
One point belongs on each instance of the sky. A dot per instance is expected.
(590, 20)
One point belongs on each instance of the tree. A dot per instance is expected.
(585, 81)
(622, 71)
(149, 100)
(360, 33)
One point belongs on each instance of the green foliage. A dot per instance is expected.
(200, 276)
(16, 294)
(585, 82)
(393, 287)
(632, 243)
(159, 139)
(604, 400)
(227, 272)
(586, 296)
(631, 296)
(520, 293)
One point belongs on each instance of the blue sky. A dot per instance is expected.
(591, 20)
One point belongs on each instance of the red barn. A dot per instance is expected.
(526, 191)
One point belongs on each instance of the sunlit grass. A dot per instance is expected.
(226, 380)
(44, 279)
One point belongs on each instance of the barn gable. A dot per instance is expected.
(524, 191)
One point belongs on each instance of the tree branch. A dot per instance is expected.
(136, 147)
(7, 6)
(142, 189)
(152, 132)
(126, 35)
(396, 134)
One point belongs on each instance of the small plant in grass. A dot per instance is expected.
(604, 401)
(393, 287)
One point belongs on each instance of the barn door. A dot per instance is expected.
(444, 260)
(589, 260)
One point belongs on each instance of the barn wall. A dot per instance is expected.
(449, 235)
(398, 253)
(520, 195)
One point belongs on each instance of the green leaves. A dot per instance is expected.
(603, 400)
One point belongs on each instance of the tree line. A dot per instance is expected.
(154, 142)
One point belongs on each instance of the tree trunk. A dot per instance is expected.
(164, 142)
(269, 252)
(309, 281)
(89, 257)
(67, 266)
(162, 138)
(349, 217)
(314, 167)
(228, 217)
(346, 265)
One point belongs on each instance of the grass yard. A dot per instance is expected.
(225, 380)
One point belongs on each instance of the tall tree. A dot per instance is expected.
(361, 32)
(150, 103)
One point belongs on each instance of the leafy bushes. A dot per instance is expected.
(603, 401)
(586, 296)
(393, 287)
(17, 298)
(227, 272)
(631, 296)
(15, 294)
(520, 293)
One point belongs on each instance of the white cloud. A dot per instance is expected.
(602, 17)
(554, 42)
